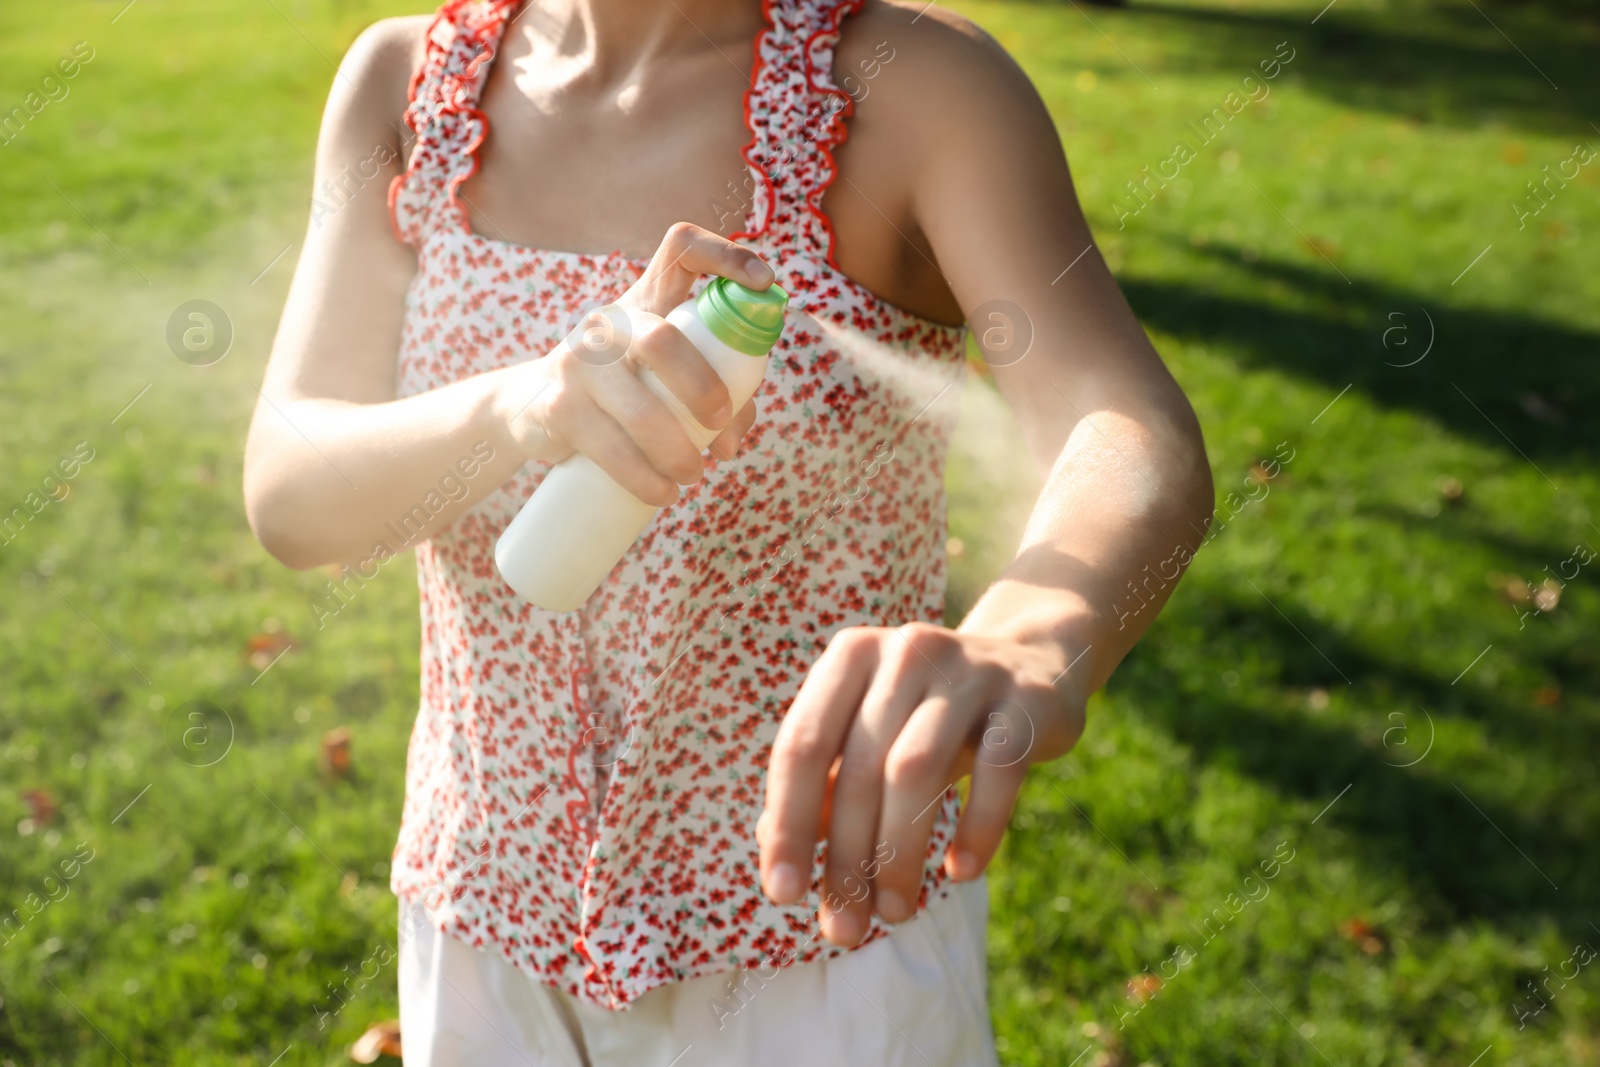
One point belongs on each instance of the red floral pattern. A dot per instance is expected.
(582, 788)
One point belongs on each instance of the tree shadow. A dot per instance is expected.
(1450, 839)
(1478, 379)
(1462, 73)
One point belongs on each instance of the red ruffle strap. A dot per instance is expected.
(443, 111)
(796, 114)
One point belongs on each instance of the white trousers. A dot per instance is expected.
(915, 998)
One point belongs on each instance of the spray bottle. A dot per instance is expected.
(579, 522)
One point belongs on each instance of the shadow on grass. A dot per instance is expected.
(1460, 73)
(1511, 382)
(1452, 839)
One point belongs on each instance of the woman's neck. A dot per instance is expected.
(612, 38)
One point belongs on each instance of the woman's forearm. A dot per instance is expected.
(1120, 515)
(332, 481)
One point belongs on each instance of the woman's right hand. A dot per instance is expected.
(586, 396)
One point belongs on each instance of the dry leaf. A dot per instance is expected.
(1363, 935)
(381, 1039)
(1512, 589)
(1542, 409)
(263, 648)
(1142, 987)
(41, 806)
(336, 752)
(1323, 247)
(1355, 928)
(1547, 595)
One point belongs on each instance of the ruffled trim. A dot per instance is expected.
(445, 102)
(819, 76)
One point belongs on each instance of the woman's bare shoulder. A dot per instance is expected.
(930, 83)
(373, 85)
(934, 69)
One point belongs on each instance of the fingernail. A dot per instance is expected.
(892, 906)
(759, 272)
(783, 883)
(723, 416)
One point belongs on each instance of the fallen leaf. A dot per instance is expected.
(1362, 934)
(41, 806)
(1354, 928)
(1142, 987)
(1323, 247)
(381, 1039)
(1542, 409)
(1512, 589)
(336, 752)
(261, 649)
(1548, 595)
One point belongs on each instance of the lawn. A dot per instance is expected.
(1338, 807)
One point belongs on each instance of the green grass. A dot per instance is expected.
(219, 908)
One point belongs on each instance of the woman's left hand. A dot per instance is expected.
(885, 723)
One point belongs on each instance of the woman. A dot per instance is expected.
(701, 813)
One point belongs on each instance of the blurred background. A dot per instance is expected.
(1339, 807)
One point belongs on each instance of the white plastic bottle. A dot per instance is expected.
(579, 522)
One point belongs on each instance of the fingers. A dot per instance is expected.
(919, 769)
(996, 784)
(858, 792)
(647, 419)
(661, 349)
(685, 253)
(584, 427)
(727, 443)
(807, 744)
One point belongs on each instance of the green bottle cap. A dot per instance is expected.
(746, 320)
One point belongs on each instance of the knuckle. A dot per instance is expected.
(853, 640)
(801, 748)
(711, 399)
(651, 342)
(565, 403)
(924, 639)
(910, 765)
(687, 470)
(678, 237)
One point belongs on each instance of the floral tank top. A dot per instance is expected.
(582, 788)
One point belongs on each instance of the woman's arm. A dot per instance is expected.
(907, 711)
(333, 455)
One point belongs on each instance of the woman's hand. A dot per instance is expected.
(586, 396)
(886, 721)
